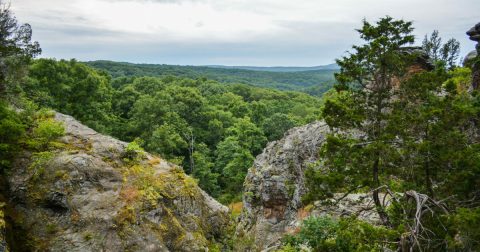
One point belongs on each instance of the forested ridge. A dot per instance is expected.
(314, 82)
(402, 129)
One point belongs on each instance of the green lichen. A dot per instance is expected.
(87, 236)
(290, 188)
(2, 215)
(51, 228)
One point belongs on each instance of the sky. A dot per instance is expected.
(228, 32)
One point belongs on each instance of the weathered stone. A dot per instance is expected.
(468, 60)
(359, 205)
(474, 34)
(88, 198)
(57, 201)
(274, 185)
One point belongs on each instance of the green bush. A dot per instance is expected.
(316, 232)
(45, 132)
(346, 234)
(357, 235)
(11, 130)
(466, 226)
(133, 152)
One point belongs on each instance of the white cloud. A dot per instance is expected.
(266, 32)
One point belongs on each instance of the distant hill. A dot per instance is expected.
(280, 68)
(305, 79)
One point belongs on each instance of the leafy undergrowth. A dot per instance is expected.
(459, 232)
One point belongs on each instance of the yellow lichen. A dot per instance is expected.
(126, 215)
(236, 208)
(154, 161)
(2, 221)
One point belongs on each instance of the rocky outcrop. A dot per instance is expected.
(86, 196)
(275, 185)
(474, 34)
(360, 205)
(469, 58)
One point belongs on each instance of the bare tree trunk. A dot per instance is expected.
(192, 161)
(190, 138)
(376, 198)
(191, 149)
(428, 179)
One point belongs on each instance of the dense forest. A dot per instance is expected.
(281, 68)
(314, 82)
(213, 130)
(401, 129)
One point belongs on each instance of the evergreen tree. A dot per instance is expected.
(447, 53)
(368, 77)
(16, 48)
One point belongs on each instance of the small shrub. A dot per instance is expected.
(11, 130)
(347, 234)
(44, 113)
(316, 232)
(43, 135)
(466, 223)
(134, 152)
(40, 159)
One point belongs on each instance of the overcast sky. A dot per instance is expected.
(227, 32)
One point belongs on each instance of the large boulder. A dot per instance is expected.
(474, 34)
(274, 187)
(85, 196)
(469, 58)
(275, 184)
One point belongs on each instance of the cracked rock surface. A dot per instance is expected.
(86, 197)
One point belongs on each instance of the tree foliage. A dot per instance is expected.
(447, 53)
(367, 78)
(406, 131)
(16, 49)
(213, 130)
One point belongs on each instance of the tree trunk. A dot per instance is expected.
(428, 179)
(376, 198)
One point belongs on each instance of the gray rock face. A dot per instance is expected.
(474, 34)
(468, 60)
(355, 204)
(86, 197)
(275, 184)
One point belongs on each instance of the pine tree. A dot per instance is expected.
(368, 76)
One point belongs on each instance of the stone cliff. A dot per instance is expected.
(474, 34)
(85, 195)
(275, 185)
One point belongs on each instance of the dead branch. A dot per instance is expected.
(423, 205)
